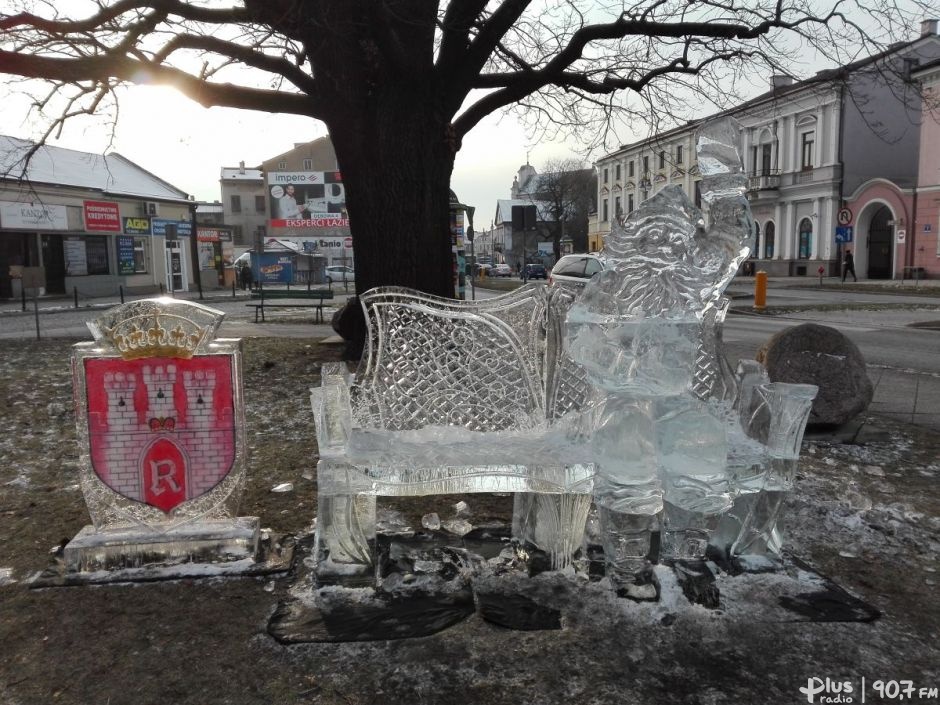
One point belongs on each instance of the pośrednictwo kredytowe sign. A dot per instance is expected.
(102, 217)
(307, 199)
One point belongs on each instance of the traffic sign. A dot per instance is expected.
(844, 233)
(347, 243)
(845, 216)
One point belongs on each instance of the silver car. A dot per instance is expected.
(574, 271)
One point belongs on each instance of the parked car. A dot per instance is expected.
(339, 274)
(535, 271)
(573, 271)
(500, 270)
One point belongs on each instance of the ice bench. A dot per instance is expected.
(453, 397)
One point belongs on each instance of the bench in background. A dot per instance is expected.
(290, 298)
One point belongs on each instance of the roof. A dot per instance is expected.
(112, 173)
(237, 173)
(821, 77)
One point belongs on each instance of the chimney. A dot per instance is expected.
(928, 28)
(779, 80)
(241, 167)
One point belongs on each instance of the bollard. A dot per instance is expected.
(760, 291)
(121, 289)
(75, 293)
(233, 289)
(23, 292)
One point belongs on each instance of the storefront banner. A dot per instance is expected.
(33, 215)
(125, 255)
(184, 228)
(102, 217)
(208, 235)
(331, 222)
(136, 226)
(301, 199)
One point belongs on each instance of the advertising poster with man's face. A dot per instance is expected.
(307, 199)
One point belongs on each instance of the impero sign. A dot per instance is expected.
(307, 200)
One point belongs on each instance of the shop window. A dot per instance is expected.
(96, 255)
(141, 258)
(769, 232)
(806, 239)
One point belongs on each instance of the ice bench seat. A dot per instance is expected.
(453, 397)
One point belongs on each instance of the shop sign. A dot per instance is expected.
(102, 217)
(137, 226)
(207, 235)
(184, 228)
(33, 215)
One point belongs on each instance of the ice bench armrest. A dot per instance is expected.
(332, 409)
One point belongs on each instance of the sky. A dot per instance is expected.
(187, 145)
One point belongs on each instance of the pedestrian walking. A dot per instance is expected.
(848, 265)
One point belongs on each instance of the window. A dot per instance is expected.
(766, 152)
(236, 204)
(630, 171)
(646, 165)
(282, 166)
(605, 209)
(755, 247)
(617, 173)
(662, 159)
(606, 178)
(807, 142)
(769, 231)
(698, 194)
(140, 254)
(617, 210)
(629, 203)
(308, 165)
(678, 154)
(259, 204)
(96, 254)
(806, 239)
(592, 267)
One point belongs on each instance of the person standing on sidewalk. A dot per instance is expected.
(848, 265)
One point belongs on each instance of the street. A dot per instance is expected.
(902, 360)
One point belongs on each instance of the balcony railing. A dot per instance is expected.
(764, 182)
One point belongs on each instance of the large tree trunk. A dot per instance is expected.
(391, 131)
(397, 193)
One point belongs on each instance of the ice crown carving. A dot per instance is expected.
(157, 328)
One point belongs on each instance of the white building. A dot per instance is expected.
(808, 146)
(94, 223)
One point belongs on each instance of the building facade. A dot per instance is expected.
(809, 148)
(244, 204)
(89, 224)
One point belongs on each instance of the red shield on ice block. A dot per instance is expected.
(161, 430)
